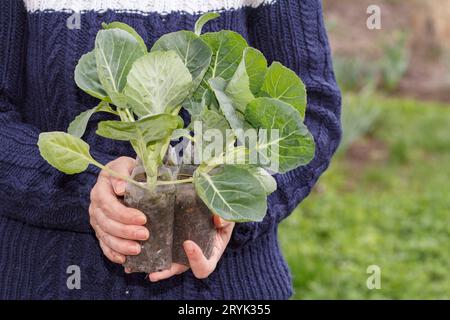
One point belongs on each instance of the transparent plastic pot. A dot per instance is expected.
(193, 220)
(158, 206)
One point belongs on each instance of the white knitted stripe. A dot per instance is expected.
(144, 6)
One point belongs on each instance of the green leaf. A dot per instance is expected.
(205, 18)
(86, 76)
(157, 83)
(146, 130)
(248, 78)
(65, 152)
(284, 84)
(210, 100)
(227, 105)
(127, 28)
(256, 67)
(78, 126)
(192, 50)
(233, 193)
(268, 182)
(194, 108)
(238, 88)
(210, 118)
(214, 120)
(295, 144)
(115, 51)
(118, 130)
(227, 47)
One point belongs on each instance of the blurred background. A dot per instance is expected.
(385, 200)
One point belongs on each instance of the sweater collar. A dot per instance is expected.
(143, 6)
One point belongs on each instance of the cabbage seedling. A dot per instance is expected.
(222, 82)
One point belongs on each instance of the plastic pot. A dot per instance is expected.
(158, 206)
(193, 220)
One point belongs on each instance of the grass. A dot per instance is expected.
(385, 201)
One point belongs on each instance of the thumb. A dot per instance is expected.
(123, 166)
(200, 266)
(119, 186)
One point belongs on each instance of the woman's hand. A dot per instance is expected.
(116, 226)
(200, 265)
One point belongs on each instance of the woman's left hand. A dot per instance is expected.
(200, 265)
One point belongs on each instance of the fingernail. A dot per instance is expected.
(189, 248)
(140, 219)
(219, 222)
(142, 234)
(136, 249)
(120, 259)
(120, 187)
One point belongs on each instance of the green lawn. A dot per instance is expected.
(385, 202)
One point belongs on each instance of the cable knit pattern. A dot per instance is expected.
(44, 224)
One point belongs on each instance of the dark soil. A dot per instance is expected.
(174, 214)
(158, 206)
(193, 221)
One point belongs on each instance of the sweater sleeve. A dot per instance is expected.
(293, 32)
(31, 190)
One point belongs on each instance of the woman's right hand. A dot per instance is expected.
(116, 226)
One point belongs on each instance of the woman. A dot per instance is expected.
(55, 227)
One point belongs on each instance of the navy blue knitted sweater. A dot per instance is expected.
(44, 223)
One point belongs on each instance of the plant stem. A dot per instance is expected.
(151, 170)
(163, 148)
(112, 112)
(125, 115)
(140, 185)
(130, 115)
(122, 115)
(162, 183)
(164, 145)
(189, 137)
(118, 175)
